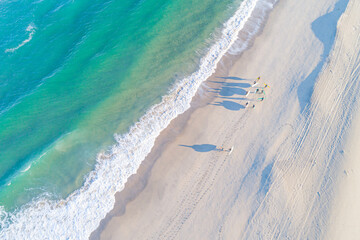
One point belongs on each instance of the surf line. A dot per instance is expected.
(31, 28)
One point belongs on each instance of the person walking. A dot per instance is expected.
(256, 82)
(230, 150)
(248, 105)
(255, 91)
(265, 86)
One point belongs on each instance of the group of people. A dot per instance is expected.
(257, 90)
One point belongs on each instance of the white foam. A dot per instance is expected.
(26, 169)
(30, 28)
(80, 213)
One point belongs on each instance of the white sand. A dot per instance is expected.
(344, 222)
(285, 175)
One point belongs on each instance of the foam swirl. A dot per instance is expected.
(30, 28)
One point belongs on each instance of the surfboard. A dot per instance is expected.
(231, 149)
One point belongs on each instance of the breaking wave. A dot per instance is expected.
(80, 213)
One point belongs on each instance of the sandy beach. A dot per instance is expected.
(292, 154)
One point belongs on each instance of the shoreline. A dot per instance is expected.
(96, 196)
(138, 181)
(279, 180)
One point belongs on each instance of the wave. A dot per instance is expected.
(80, 213)
(26, 169)
(23, 167)
(30, 28)
(11, 105)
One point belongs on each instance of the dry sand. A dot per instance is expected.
(344, 222)
(285, 175)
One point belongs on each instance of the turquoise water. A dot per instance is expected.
(73, 73)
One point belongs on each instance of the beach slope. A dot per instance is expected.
(283, 175)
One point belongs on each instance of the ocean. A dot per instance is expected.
(85, 89)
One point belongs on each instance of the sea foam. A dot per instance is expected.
(31, 29)
(80, 213)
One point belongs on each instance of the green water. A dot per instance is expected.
(91, 69)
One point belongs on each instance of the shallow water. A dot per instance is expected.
(120, 84)
(73, 73)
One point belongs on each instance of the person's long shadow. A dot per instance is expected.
(235, 98)
(230, 105)
(202, 147)
(324, 29)
(234, 78)
(230, 91)
(230, 84)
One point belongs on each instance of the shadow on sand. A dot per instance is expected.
(230, 84)
(230, 105)
(235, 78)
(231, 89)
(324, 29)
(235, 98)
(202, 147)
